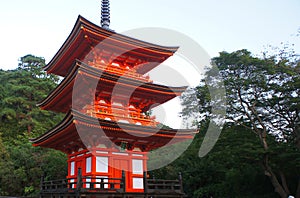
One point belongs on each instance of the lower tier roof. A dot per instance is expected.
(78, 130)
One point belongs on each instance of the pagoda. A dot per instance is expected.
(107, 131)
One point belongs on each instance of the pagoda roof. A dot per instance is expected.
(73, 91)
(85, 36)
(78, 130)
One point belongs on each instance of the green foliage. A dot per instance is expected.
(267, 88)
(231, 169)
(262, 95)
(21, 164)
(21, 90)
(24, 165)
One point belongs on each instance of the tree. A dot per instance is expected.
(231, 169)
(20, 91)
(263, 96)
(21, 164)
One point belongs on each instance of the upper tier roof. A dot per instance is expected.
(84, 82)
(77, 130)
(86, 36)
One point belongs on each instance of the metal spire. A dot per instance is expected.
(105, 14)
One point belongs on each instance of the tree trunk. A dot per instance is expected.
(277, 186)
(268, 170)
(284, 183)
(263, 137)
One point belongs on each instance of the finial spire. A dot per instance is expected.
(105, 14)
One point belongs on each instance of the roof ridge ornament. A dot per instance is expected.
(105, 14)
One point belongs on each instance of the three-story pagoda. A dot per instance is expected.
(107, 132)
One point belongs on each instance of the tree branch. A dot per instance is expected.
(284, 183)
(268, 172)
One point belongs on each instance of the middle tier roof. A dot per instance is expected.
(84, 82)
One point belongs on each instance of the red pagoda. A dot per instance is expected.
(107, 132)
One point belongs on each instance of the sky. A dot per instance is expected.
(39, 27)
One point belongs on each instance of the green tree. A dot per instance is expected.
(263, 96)
(231, 169)
(21, 164)
(20, 91)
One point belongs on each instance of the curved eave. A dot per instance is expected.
(62, 91)
(86, 35)
(54, 132)
(65, 135)
(60, 99)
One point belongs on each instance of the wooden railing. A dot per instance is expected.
(159, 184)
(117, 114)
(163, 186)
(79, 185)
(58, 186)
(82, 184)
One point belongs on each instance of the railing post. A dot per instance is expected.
(112, 186)
(145, 181)
(65, 184)
(180, 182)
(41, 186)
(154, 182)
(79, 183)
(102, 183)
(124, 180)
(42, 182)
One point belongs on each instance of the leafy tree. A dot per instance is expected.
(263, 96)
(21, 164)
(231, 169)
(21, 90)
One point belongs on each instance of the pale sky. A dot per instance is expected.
(39, 27)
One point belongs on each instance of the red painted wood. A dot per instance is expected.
(117, 161)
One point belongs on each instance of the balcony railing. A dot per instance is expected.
(88, 186)
(119, 114)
